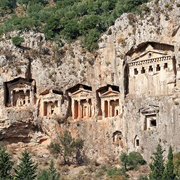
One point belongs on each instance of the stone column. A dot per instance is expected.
(102, 107)
(72, 108)
(108, 108)
(79, 109)
(42, 110)
(26, 100)
(59, 105)
(31, 96)
(12, 98)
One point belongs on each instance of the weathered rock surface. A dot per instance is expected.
(55, 67)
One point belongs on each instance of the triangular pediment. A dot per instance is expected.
(51, 95)
(150, 109)
(51, 92)
(19, 82)
(20, 85)
(149, 54)
(81, 92)
(110, 93)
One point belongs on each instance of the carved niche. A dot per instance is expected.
(81, 101)
(151, 69)
(117, 138)
(136, 142)
(50, 102)
(109, 101)
(149, 116)
(19, 92)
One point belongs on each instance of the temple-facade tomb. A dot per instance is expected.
(151, 72)
(81, 101)
(19, 92)
(149, 117)
(109, 101)
(50, 102)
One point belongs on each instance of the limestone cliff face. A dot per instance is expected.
(144, 118)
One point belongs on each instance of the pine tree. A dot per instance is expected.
(52, 171)
(43, 175)
(67, 144)
(157, 165)
(169, 171)
(26, 170)
(5, 164)
(49, 175)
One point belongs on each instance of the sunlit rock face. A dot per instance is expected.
(123, 97)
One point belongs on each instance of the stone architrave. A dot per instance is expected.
(50, 102)
(81, 101)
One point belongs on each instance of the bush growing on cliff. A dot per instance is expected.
(116, 173)
(132, 160)
(17, 40)
(68, 147)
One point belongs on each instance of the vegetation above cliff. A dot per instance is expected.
(67, 19)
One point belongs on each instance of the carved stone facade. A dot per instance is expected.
(81, 101)
(19, 92)
(115, 122)
(152, 71)
(109, 101)
(149, 117)
(50, 103)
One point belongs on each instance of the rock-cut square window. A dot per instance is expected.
(165, 65)
(142, 70)
(150, 69)
(135, 71)
(158, 68)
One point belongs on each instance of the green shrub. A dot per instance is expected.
(132, 161)
(54, 147)
(68, 147)
(116, 173)
(17, 40)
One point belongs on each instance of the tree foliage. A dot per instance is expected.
(49, 175)
(68, 19)
(26, 169)
(7, 4)
(169, 170)
(132, 160)
(157, 164)
(5, 164)
(68, 147)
